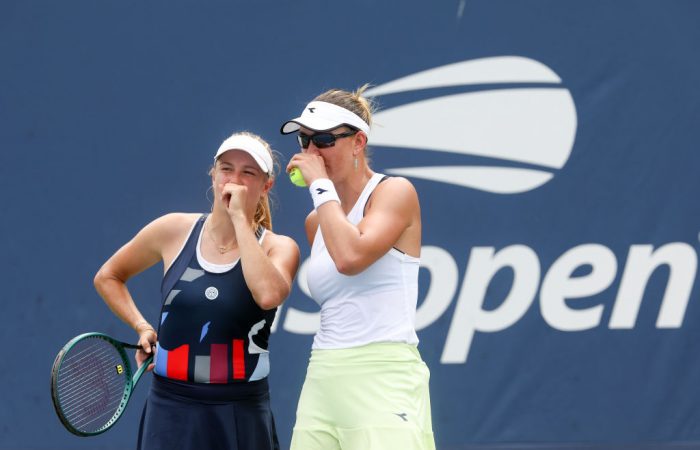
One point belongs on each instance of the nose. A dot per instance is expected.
(232, 177)
(311, 149)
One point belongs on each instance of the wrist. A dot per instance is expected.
(322, 190)
(239, 219)
(142, 326)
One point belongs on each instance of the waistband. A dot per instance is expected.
(210, 393)
(379, 352)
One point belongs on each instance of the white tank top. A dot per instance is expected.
(376, 305)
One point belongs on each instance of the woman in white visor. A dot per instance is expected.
(225, 274)
(366, 386)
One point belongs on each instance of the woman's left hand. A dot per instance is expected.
(147, 344)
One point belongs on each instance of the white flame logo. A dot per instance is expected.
(531, 125)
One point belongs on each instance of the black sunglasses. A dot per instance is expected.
(322, 140)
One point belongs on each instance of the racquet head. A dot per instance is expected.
(91, 382)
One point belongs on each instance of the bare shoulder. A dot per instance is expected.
(396, 184)
(164, 234)
(396, 190)
(173, 224)
(310, 226)
(179, 219)
(282, 249)
(280, 241)
(311, 220)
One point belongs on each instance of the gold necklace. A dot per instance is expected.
(221, 248)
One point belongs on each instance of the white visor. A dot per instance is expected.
(249, 145)
(324, 116)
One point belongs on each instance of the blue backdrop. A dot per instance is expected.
(554, 146)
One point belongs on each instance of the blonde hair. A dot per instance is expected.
(263, 210)
(352, 101)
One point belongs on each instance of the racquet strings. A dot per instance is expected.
(90, 384)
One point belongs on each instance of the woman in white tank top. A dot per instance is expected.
(366, 386)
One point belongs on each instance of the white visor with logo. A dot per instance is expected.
(249, 145)
(324, 116)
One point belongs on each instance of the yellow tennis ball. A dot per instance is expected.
(296, 177)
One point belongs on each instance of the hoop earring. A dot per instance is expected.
(211, 200)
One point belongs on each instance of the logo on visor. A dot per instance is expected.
(311, 110)
(517, 120)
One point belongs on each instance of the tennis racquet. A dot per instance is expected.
(91, 382)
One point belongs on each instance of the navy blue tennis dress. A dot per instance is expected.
(209, 388)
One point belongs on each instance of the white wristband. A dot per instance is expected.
(322, 191)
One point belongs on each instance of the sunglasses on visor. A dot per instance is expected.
(322, 140)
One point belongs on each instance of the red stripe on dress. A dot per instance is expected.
(218, 367)
(177, 363)
(238, 360)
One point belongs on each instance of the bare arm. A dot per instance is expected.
(269, 270)
(392, 218)
(311, 225)
(137, 255)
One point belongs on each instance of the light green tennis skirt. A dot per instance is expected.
(365, 398)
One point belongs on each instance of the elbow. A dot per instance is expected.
(272, 299)
(268, 303)
(99, 280)
(348, 266)
(103, 279)
(266, 306)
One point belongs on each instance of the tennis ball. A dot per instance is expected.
(296, 177)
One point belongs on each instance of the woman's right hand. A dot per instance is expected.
(310, 164)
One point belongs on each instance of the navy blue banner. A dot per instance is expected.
(554, 147)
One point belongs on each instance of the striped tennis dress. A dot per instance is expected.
(210, 386)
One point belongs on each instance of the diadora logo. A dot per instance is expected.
(312, 110)
(520, 122)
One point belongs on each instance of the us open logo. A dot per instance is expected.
(525, 132)
(518, 123)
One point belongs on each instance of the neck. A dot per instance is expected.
(350, 188)
(220, 227)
